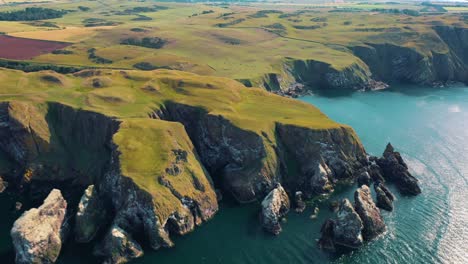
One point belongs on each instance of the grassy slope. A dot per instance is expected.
(197, 45)
(146, 151)
(123, 96)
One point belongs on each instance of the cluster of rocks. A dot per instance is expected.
(353, 224)
(38, 235)
(362, 222)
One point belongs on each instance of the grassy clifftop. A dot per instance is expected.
(124, 94)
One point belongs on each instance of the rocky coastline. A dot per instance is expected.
(377, 66)
(147, 205)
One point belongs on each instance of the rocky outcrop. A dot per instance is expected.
(348, 226)
(369, 213)
(384, 197)
(395, 170)
(322, 157)
(171, 194)
(299, 203)
(344, 231)
(237, 157)
(364, 178)
(274, 207)
(118, 247)
(353, 224)
(326, 241)
(91, 215)
(38, 234)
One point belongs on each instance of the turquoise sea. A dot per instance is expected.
(428, 126)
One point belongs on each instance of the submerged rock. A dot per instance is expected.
(38, 234)
(384, 201)
(18, 206)
(274, 207)
(369, 213)
(334, 206)
(118, 247)
(299, 202)
(348, 226)
(90, 216)
(395, 170)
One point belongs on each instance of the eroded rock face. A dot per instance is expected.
(118, 247)
(274, 207)
(90, 216)
(384, 197)
(364, 179)
(39, 233)
(395, 170)
(323, 157)
(348, 226)
(369, 213)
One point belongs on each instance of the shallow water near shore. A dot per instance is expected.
(428, 126)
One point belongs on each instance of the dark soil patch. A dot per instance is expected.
(21, 48)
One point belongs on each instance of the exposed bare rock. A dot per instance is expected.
(300, 205)
(326, 241)
(364, 179)
(375, 172)
(274, 207)
(320, 180)
(118, 247)
(395, 170)
(348, 226)
(384, 198)
(39, 233)
(3, 185)
(90, 216)
(369, 213)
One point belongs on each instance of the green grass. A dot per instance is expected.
(197, 45)
(146, 148)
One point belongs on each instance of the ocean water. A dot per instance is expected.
(428, 126)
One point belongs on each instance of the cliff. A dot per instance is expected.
(156, 145)
(437, 57)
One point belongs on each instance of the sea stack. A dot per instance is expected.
(395, 170)
(274, 207)
(39, 233)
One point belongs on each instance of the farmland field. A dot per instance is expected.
(197, 36)
(22, 48)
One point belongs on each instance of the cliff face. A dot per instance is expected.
(156, 184)
(322, 157)
(249, 165)
(378, 63)
(299, 76)
(237, 157)
(151, 166)
(54, 142)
